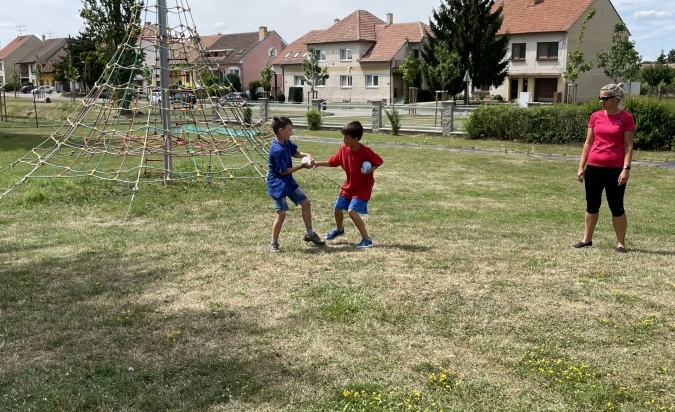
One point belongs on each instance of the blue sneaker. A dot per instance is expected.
(335, 232)
(365, 242)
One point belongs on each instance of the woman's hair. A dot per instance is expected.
(615, 90)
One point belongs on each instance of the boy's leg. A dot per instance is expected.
(357, 207)
(341, 204)
(358, 222)
(281, 206)
(339, 219)
(306, 206)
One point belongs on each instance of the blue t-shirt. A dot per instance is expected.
(281, 159)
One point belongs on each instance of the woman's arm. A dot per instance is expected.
(590, 137)
(628, 138)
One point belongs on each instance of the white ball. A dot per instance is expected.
(306, 160)
(366, 166)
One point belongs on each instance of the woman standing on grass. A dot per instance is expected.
(606, 157)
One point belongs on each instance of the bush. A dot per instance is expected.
(295, 94)
(313, 119)
(394, 119)
(498, 97)
(248, 115)
(281, 98)
(253, 88)
(567, 123)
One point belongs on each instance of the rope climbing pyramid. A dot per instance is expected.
(189, 127)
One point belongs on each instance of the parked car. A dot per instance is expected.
(27, 89)
(174, 97)
(43, 89)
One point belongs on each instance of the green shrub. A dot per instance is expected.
(248, 115)
(498, 97)
(281, 97)
(295, 94)
(655, 123)
(394, 119)
(313, 119)
(567, 123)
(253, 89)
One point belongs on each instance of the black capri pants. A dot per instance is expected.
(598, 178)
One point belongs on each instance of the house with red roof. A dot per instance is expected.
(12, 53)
(542, 34)
(361, 52)
(45, 55)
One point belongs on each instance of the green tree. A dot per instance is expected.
(15, 79)
(313, 73)
(71, 74)
(662, 58)
(38, 72)
(671, 56)
(266, 75)
(468, 28)
(621, 61)
(106, 22)
(411, 71)
(657, 75)
(576, 64)
(233, 80)
(445, 71)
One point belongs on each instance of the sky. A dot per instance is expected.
(651, 22)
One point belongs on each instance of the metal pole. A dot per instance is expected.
(164, 85)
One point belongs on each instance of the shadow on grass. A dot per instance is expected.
(97, 331)
(652, 252)
(344, 246)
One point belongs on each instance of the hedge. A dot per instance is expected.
(566, 123)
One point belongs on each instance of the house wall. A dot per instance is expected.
(598, 36)
(18, 54)
(258, 58)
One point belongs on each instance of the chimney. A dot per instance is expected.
(262, 33)
(44, 37)
(336, 21)
(390, 18)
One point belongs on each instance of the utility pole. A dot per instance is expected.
(19, 28)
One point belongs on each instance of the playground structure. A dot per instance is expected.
(191, 131)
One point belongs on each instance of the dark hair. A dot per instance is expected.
(280, 122)
(354, 129)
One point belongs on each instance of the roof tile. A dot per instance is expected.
(540, 16)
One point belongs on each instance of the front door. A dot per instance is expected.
(513, 90)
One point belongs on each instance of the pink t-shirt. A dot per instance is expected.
(608, 131)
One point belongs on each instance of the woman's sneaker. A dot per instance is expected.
(274, 247)
(365, 242)
(314, 238)
(335, 232)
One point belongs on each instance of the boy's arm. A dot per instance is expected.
(324, 164)
(293, 169)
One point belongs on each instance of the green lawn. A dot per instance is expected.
(471, 300)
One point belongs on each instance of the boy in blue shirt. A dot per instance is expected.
(280, 182)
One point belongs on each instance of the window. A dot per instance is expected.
(233, 70)
(547, 50)
(345, 81)
(322, 55)
(345, 54)
(416, 53)
(298, 81)
(321, 82)
(518, 51)
(296, 54)
(371, 81)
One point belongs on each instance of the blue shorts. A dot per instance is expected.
(297, 197)
(359, 205)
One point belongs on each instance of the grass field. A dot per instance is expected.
(471, 300)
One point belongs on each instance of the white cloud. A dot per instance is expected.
(651, 14)
(6, 25)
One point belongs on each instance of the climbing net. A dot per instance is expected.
(188, 128)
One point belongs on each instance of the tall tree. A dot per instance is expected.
(468, 28)
(313, 73)
(411, 71)
(576, 64)
(671, 56)
(656, 75)
(662, 58)
(621, 61)
(266, 75)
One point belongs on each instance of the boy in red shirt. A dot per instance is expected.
(355, 193)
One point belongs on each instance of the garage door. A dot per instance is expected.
(544, 89)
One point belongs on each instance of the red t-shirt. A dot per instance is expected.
(358, 185)
(608, 131)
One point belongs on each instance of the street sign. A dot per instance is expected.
(467, 77)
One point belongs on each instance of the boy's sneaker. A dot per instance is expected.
(335, 232)
(365, 242)
(274, 247)
(314, 238)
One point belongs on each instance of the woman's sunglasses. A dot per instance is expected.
(605, 98)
